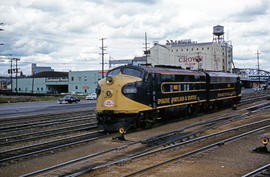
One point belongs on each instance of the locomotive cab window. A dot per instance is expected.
(132, 72)
(114, 72)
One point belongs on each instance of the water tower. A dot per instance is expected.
(218, 34)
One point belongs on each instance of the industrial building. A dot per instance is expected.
(50, 82)
(214, 56)
(38, 69)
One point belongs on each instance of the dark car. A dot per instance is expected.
(68, 99)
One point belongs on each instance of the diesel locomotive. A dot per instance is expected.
(142, 95)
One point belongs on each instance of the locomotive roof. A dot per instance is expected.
(221, 74)
(164, 70)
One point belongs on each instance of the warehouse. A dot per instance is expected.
(51, 82)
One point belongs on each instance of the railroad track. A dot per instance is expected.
(31, 131)
(255, 96)
(141, 148)
(47, 131)
(263, 171)
(34, 149)
(43, 117)
(30, 128)
(192, 151)
(38, 135)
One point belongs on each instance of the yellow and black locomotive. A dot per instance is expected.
(141, 95)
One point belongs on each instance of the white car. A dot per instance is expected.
(92, 96)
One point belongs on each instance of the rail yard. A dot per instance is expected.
(216, 144)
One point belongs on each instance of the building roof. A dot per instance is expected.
(51, 74)
(143, 58)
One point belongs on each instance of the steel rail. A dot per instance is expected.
(196, 151)
(11, 157)
(59, 131)
(250, 100)
(77, 160)
(41, 124)
(257, 170)
(10, 122)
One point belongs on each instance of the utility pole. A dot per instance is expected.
(33, 79)
(258, 58)
(146, 52)
(16, 70)
(102, 55)
(11, 71)
(11, 74)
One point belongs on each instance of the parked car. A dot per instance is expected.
(68, 99)
(92, 96)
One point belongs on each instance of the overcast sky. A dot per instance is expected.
(65, 34)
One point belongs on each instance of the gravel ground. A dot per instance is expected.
(231, 160)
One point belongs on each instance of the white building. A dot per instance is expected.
(192, 55)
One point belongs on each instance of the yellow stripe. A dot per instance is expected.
(183, 83)
(222, 89)
(179, 104)
(183, 91)
(184, 74)
(223, 98)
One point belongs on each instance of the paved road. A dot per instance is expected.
(33, 108)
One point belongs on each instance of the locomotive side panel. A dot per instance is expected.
(223, 88)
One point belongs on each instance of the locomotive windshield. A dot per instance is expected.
(114, 72)
(132, 72)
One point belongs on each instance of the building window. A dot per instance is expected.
(176, 50)
(72, 78)
(182, 50)
(41, 88)
(85, 78)
(197, 48)
(80, 78)
(207, 48)
(19, 89)
(191, 49)
(37, 88)
(202, 48)
(76, 87)
(187, 49)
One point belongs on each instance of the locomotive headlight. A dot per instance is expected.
(128, 90)
(109, 80)
(109, 93)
